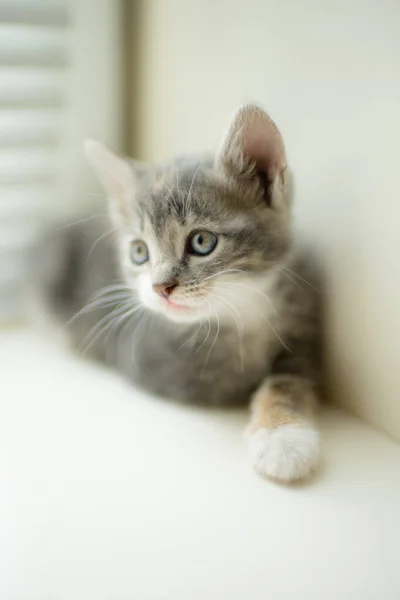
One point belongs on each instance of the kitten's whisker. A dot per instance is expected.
(177, 179)
(109, 294)
(192, 337)
(209, 329)
(142, 319)
(101, 237)
(102, 325)
(251, 287)
(285, 268)
(107, 318)
(104, 328)
(173, 199)
(262, 315)
(96, 305)
(119, 320)
(296, 283)
(93, 194)
(82, 221)
(110, 298)
(189, 197)
(112, 287)
(239, 324)
(223, 273)
(212, 346)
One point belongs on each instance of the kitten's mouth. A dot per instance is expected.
(178, 311)
(172, 305)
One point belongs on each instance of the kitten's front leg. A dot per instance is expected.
(283, 437)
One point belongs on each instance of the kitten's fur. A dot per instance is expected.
(250, 331)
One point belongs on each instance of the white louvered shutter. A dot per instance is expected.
(60, 80)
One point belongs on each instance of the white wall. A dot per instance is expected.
(328, 71)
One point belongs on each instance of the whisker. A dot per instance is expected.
(177, 178)
(101, 237)
(250, 287)
(284, 268)
(108, 317)
(104, 302)
(108, 295)
(111, 289)
(189, 197)
(223, 273)
(173, 199)
(93, 194)
(112, 296)
(82, 221)
(114, 286)
(95, 305)
(119, 320)
(239, 325)
(104, 323)
(211, 347)
(192, 337)
(209, 329)
(145, 316)
(296, 283)
(263, 316)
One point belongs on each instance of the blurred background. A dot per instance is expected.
(153, 78)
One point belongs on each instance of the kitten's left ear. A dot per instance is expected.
(115, 173)
(254, 146)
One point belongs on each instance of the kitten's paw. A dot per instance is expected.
(287, 453)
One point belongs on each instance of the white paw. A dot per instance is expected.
(287, 453)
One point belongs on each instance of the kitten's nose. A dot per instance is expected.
(164, 289)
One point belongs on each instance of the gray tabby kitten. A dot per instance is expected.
(200, 297)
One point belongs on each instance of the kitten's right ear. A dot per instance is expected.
(253, 146)
(115, 173)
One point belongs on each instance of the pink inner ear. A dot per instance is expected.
(262, 143)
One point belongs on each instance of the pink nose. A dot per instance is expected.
(164, 289)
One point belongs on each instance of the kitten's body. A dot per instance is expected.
(257, 331)
(189, 362)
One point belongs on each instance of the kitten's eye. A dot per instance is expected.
(139, 252)
(202, 243)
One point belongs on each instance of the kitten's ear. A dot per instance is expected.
(253, 146)
(115, 173)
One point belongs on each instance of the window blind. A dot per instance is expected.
(59, 81)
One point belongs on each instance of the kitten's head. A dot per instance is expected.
(196, 236)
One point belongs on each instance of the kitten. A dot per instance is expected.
(209, 305)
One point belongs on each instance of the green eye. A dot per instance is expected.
(139, 252)
(202, 243)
